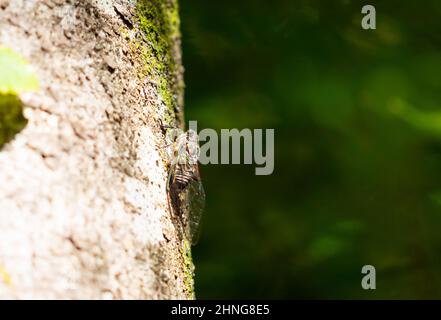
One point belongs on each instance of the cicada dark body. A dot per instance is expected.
(184, 185)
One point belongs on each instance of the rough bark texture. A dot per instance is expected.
(83, 202)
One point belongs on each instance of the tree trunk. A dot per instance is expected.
(83, 203)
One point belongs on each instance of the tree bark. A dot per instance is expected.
(84, 211)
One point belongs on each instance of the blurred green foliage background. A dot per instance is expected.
(357, 118)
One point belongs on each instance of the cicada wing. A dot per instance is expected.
(172, 191)
(195, 205)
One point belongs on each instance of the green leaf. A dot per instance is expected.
(426, 121)
(16, 75)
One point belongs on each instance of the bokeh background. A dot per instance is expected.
(357, 118)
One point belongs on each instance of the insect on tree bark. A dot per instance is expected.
(184, 185)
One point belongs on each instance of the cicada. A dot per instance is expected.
(184, 185)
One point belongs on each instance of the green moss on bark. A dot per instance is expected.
(188, 268)
(16, 76)
(159, 24)
(12, 120)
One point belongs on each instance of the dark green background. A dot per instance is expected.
(357, 117)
